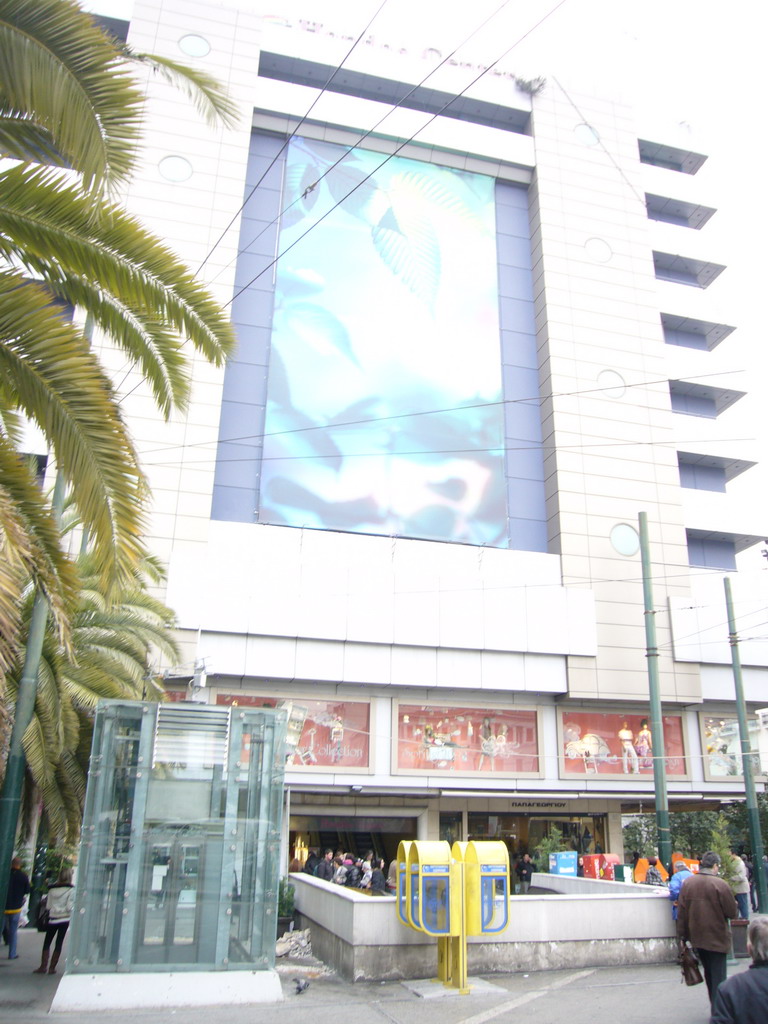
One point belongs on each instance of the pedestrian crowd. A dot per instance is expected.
(353, 872)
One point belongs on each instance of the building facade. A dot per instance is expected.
(479, 333)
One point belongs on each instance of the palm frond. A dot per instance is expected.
(93, 255)
(60, 68)
(30, 552)
(53, 376)
(204, 91)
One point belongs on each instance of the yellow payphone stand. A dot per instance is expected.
(451, 893)
(403, 882)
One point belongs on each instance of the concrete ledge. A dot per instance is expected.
(587, 923)
(93, 992)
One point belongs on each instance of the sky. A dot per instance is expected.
(694, 64)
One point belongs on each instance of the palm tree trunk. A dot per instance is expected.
(10, 798)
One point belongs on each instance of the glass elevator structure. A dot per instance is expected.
(179, 855)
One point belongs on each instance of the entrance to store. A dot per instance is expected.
(523, 833)
(355, 835)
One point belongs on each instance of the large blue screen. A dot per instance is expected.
(384, 402)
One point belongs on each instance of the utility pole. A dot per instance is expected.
(753, 814)
(657, 723)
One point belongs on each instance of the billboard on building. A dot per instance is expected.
(384, 401)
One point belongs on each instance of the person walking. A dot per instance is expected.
(325, 867)
(743, 999)
(704, 908)
(740, 883)
(60, 901)
(18, 889)
(681, 872)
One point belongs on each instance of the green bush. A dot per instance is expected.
(551, 843)
(286, 898)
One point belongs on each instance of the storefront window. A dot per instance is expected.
(619, 744)
(323, 733)
(450, 826)
(523, 833)
(722, 746)
(466, 740)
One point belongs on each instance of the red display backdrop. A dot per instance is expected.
(619, 744)
(335, 734)
(461, 739)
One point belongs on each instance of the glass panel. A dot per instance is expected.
(466, 740)
(322, 733)
(722, 745)
(619, 744)
(450, 826)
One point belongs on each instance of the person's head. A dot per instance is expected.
(527, 858)
(15, 863)
(680, 865)
(710, 861)
(329, 854)
(644, 724)
(653, 861)
(65, 876)
(757, 937)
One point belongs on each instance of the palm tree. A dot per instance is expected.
(68, 104)
(70, 121)
(112, 645)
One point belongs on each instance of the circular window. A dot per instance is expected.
(597, 249)
(175, 168)
(194, 46)
(625, 539)
(586, 134)
(611, 383)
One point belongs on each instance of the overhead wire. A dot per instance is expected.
(360, 139)
(292, 134)
(533, 400)
(398, 149)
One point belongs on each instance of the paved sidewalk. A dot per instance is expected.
(630, 995)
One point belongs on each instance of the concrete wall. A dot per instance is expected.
(585, 923)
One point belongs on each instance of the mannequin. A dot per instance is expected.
(628, 752)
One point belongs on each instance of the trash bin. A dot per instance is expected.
(739, 939)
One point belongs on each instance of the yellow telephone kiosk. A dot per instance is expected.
(403, 882)
(451, 893)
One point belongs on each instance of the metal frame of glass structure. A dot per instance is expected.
(179, 858)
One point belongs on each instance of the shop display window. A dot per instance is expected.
(619, 743)
(466, 740)
(721, 743)
(332, 734)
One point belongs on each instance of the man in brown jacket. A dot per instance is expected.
(704, 907)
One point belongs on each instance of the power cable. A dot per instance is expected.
(304, 118)
(353, 147)
(397, 150)
(533, 400)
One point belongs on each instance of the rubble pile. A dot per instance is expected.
(295, 945)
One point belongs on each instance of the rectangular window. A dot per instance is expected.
(619, 743)
(329, 734)
(693, 405)
(702, 478)
(466, 740)
(721, 742)
(710, 552)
